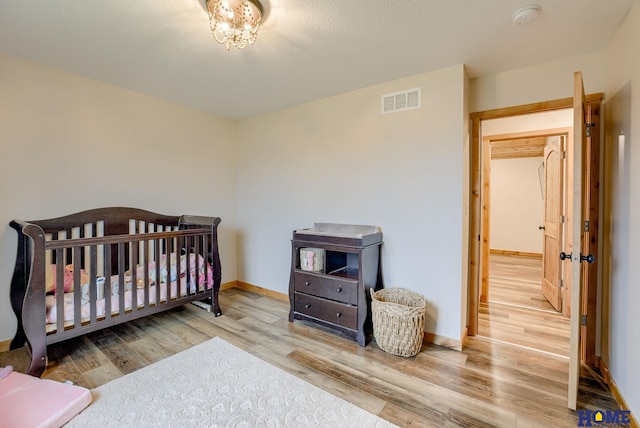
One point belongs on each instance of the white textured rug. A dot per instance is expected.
(215, 384)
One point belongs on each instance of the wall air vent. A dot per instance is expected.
(401, 101)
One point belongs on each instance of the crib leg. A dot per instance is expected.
(34, 330)
(19, 339)
(216, 303)
(38, 359)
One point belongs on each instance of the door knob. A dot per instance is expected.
(564, 256)
(589, 259)
(540, 227)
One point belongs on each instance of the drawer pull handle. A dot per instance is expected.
(307, 283)
(339, 314)
(339, 290)
(308, 305)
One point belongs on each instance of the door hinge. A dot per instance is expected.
(561, 283)
(562, 218)
(589, 126)
(563, 155)
(586, 225)
(584, 319)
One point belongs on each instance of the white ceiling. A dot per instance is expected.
(306, 49)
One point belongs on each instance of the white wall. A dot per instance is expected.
(516, 205)
(507, 233)
(339, 160)
(70, 144)
(529, 122)
(622, 110)
(548, 81)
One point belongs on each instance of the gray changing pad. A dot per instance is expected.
(340, 230)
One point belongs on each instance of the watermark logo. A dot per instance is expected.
(590, 418)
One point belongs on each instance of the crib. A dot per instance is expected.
(98, 268)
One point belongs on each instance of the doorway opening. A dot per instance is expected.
(584, 241)
(479, 243)
(523, 202)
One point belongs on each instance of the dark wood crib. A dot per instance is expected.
(98, 268)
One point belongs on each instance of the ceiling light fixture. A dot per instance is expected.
(526, 14)
(235, 22)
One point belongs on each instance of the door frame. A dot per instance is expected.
(476, 238)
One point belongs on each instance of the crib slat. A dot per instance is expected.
(177, 248)
(168, 266)
(145, 253)
(134, 275)
(93, 285)
(77, 287)
(158, 277)
(121, 269)
(59, 290)
(187, 265)
(198, 266)
(107, 282)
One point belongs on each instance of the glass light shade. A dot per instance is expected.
(235, 22)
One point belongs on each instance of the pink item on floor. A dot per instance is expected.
(5, 372)
(27, 401)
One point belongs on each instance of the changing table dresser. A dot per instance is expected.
(332, 268)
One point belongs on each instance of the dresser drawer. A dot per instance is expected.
(338, 289)
(327, 310)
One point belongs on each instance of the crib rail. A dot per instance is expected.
(137, 261)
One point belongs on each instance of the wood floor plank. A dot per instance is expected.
(405, 418)
(475, 382)
(428, 407)
(115, 349)
(99, 376)
(517, 280)
(348, 393)
(395, 380)
(517, 311)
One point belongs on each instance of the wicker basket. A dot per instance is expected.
(398, 320)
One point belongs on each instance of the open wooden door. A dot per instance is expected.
(553, 212)
(590, 226)
(580, 232)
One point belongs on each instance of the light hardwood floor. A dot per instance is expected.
(487, 384)
(517, 311)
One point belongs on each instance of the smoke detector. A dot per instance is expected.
(526, 14)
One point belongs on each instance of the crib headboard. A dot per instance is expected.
(115, 219)
(112, 221)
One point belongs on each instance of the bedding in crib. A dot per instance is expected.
(194, 276)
